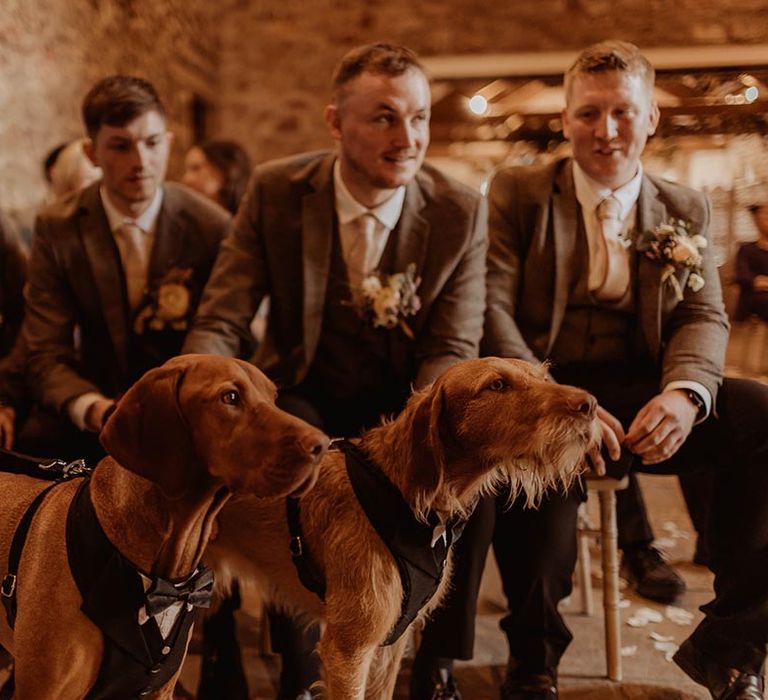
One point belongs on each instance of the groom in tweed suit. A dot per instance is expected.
(296, 238)
(650, 348)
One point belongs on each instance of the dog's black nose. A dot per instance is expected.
(315, 446)
(585, 404)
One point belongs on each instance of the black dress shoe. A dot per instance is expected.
(723, 683)
(650, 576)
(519, 686)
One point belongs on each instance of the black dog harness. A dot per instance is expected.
(136, 659)
(420, 553)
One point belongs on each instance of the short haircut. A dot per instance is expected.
(234, 164)
(611, 55)
(381, 59)
(117, 100)
(51, 158)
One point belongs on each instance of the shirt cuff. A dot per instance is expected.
(700, 389)
(78, 408)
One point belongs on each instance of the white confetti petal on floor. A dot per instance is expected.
(629, 650)
(679, 616)
(643, 616)
(669, 649)
(660, 637)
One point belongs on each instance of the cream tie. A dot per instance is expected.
(360, 256)
(612, 258)
(133, 252)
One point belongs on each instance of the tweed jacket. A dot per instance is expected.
(76, 280)
(281, 246)
(533, 219)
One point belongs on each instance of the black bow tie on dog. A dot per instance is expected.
(196, 590)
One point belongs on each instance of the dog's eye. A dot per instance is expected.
(231, 398)
(497, 385)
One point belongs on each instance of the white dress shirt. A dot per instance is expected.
(589, 195)
(348, 210)
(147, 222)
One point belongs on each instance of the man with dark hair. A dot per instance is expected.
(120, 266)
(607, 272)
(328, 237)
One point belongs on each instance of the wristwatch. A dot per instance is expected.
(695, 398)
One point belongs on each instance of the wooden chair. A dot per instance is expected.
(605, 488)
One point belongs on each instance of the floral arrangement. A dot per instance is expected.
(167, 304)
(675, 245)
(390, 299)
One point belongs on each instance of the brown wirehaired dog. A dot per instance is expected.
(483, 422)
(181, 441)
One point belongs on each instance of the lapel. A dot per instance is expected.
(170, 238)
(104, 261)
(318, 219)
(412, 231)
(650, 212)
(565, 213)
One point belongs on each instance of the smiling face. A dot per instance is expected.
(133, 158)
(381, 123)
(608, 118)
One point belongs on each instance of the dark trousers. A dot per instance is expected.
(536, 548)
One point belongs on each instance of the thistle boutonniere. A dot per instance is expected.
(167, 304)
(389, 299)
(676, 245)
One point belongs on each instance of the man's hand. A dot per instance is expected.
(662, 426)
(7, 419)
(760, 283)
(612, 437)
(94, 416)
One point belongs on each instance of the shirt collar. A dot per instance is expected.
(146, 221)
(348, 208)
(590, 193)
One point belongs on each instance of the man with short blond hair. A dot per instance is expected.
(581, 272)
(314, 229)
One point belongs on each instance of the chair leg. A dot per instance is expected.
(583, 564)
(610, 560)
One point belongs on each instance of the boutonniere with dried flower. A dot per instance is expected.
(390, 299)
(676, 245)
(167, 304)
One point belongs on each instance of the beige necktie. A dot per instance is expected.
(133, 252)
(359, 256)
(612, 256)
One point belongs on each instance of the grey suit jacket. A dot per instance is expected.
(533, 218)
(281, 246)
(76, 280)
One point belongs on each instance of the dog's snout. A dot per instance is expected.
(586, 405)
(315, 445)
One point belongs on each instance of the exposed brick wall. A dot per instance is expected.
(277, 57)
(266, 64)
(52, 51)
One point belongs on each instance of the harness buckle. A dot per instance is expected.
(8, 587)
(296, 547)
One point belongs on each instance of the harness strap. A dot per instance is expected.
(8, 586)
(308, 575)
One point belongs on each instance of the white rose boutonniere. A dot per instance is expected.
(390, 299)
(168, 304)
(675, 245)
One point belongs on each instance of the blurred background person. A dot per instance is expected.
(751, 272)
(70, 171)
(219, 169)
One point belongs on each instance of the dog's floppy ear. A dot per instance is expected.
(148, 435)
(427, 445)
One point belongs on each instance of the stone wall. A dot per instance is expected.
(264, 66)
(52, 51)
(277, 57)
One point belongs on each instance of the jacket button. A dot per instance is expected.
(165, 650)
(146, 691)
(156, 668)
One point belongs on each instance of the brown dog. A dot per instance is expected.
(483, 422)
(181, 441)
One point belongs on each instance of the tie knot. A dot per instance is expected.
(131, 231)
(609, 208)
(366, 223)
